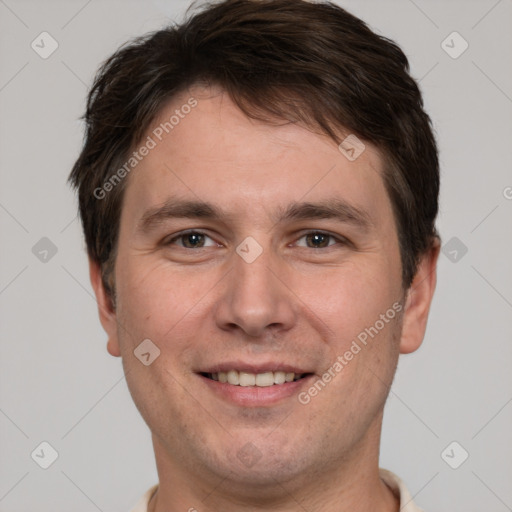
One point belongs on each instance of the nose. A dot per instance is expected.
(255, 299)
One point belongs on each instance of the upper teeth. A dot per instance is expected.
(251, 379)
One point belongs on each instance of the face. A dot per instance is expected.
(253, 249)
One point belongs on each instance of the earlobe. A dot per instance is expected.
(106, 310)
(418, 301)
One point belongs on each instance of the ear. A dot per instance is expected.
(106, 309)
(418, 301)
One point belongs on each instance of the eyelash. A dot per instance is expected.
(338, 239)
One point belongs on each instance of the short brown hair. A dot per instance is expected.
(292, 60)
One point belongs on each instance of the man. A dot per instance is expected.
(258, 189)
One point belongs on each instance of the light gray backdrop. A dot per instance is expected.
(59, 385)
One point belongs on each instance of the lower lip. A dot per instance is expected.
(256, 396)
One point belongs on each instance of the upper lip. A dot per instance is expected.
(254, 367)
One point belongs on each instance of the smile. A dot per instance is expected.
(245, 379)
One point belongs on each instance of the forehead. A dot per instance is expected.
(203, 147)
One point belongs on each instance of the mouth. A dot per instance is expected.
(249, 385)
(246, 379)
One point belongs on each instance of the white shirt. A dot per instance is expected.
(392, 481)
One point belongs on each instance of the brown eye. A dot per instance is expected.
(318, 240)
(192, 240)
(322, 240)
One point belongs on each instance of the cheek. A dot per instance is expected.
(168, 307)
(153, 300)
(350, 298)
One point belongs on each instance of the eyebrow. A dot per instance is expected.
(334, 208)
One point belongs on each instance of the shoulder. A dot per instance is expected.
(142, 504)
(400, 490)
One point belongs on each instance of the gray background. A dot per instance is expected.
(57, 382)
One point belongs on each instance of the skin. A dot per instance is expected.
(297, 303)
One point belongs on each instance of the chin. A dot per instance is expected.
(260, 464)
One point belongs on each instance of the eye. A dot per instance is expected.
(192, 240)
(318, 240)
